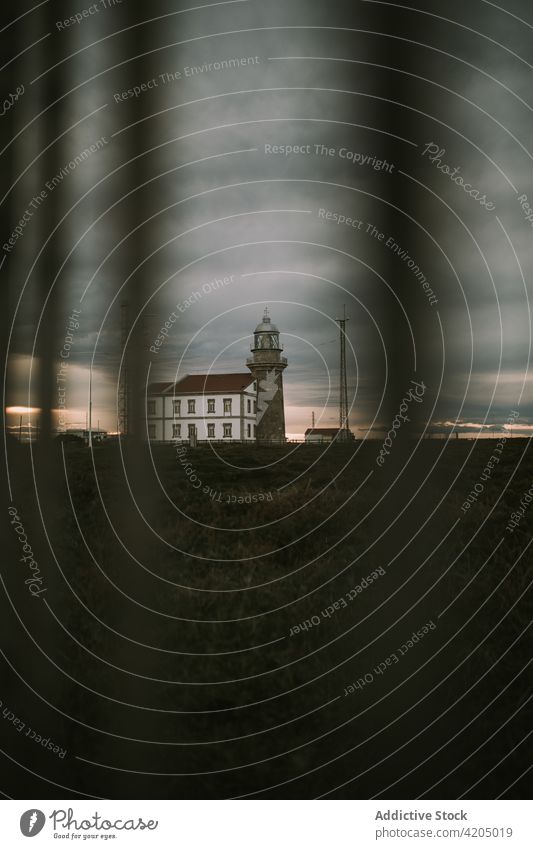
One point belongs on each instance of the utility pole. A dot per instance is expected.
(90, 440)
(89, 411)
(313, 420)
(123, 387)
(344, 424)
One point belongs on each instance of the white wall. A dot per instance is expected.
(163, 417)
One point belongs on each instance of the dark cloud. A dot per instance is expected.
(255, 215)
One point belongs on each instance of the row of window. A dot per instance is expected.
(227, 431)
(191, 406)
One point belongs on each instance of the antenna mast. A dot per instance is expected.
(344, 424)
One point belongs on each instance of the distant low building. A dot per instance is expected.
(96, 435)
(328, 434)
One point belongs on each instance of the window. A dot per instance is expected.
(177, 408)
(227, 405)
(254, 430)
(249, 429)
(255, 387)
(227, 431)
(151, 431)
(151, 408)
(210, 405)
(210, 431)
(249, 406)
(255, 406)
(192, 431)
(176, 431)
(191, 406)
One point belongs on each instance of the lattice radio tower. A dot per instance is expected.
(128, 376)
(344, 424)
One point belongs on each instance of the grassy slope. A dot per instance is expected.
(212, 588)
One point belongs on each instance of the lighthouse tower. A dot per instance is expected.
(267, 367)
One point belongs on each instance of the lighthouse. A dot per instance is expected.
(267, 366)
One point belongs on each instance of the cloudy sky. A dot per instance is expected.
(230, 172)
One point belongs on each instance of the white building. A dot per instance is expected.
(203, 406)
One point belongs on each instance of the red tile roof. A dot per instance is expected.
(203, 383)
(159, 388)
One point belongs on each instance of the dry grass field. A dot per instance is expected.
(171, 605)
